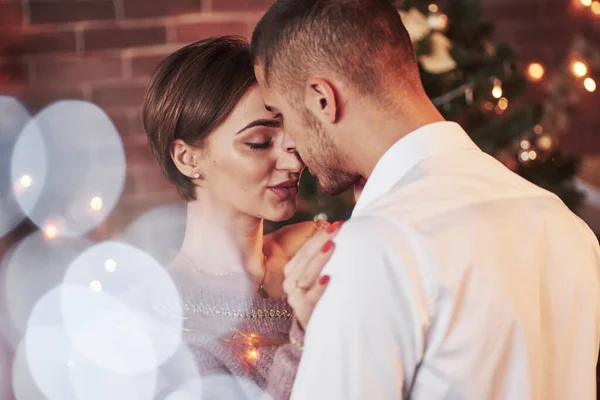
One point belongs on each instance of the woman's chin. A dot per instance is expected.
(281, 214)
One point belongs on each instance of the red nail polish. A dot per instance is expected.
(334, 227)
(327, 246)
(324, 280)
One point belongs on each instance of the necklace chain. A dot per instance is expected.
(261, 290)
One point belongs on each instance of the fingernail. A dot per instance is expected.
(324, 280)
(327, 246)
(334, 227)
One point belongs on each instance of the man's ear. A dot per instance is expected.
(187, 159)
(320, 98)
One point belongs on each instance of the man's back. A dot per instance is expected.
(516, 278)
(455, 279)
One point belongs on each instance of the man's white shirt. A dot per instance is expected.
(455, 279)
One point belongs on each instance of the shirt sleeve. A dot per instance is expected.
(366, 335)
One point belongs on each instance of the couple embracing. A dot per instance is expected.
(453, 279)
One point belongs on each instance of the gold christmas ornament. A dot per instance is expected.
(416, 24)
(439, 60)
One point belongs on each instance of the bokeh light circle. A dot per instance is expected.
(32, 268)
(71, 162)
(60, 371)
(13, 118)
(159, 232)
(133, 306)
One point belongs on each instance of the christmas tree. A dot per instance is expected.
(512, 111)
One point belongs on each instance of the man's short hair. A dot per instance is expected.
(363, 41)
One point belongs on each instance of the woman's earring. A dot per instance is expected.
(196, 175)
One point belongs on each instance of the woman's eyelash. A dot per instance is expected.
(259, 146)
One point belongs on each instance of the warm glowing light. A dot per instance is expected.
(524, 156)
(110, 265)
(433, 8)
(596, 7)
(586, 3)
(538, 129)
(525, 144)
(536, 71)
(50, 231)
(545, 142)
(25, 181)
(489, 105)
(96, 286)
(253, 354)
(96, 203)
(589, 84)
(579, 69)
(497, 91)
(503, 103)
(532, 155)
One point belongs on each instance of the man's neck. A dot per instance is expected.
(381, 130)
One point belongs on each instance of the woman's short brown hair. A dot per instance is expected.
(192, 92)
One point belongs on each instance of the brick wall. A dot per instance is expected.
(104, 50)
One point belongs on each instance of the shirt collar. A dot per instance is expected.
(406, 153)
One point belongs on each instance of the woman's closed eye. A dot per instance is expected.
(260, 146)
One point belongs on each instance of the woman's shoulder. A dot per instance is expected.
(290, 238)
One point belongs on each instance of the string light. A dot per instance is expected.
(596, 7)
(586, 3)
(50, 231)
(524, 156)
(433, 8)
(96, 203)
(579, 69)
(488, 105)
(538, 129)
(503, 103)
(532, 155)
(96, 286)
(589, 84)
(497, 90)
(25, 181)
(544, 142)
(110, 265)
(253, 354)
(536, 71)
(525, 144)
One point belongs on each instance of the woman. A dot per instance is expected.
(228, 158)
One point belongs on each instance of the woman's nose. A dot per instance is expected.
(288, 143)
(289, 160)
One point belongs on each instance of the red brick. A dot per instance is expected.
(78, 69)
(121, 95)
(36, 98)
(11, 14)
(191, 32)
(13, 72)
(24, 42)
(52, 12)
(144, 66)
(137, 127)
(112, 38)
(157, 8)
(121, 122)
(241, 5)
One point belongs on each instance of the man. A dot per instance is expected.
(454, 278)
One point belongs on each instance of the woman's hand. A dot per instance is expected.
(302, 283)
